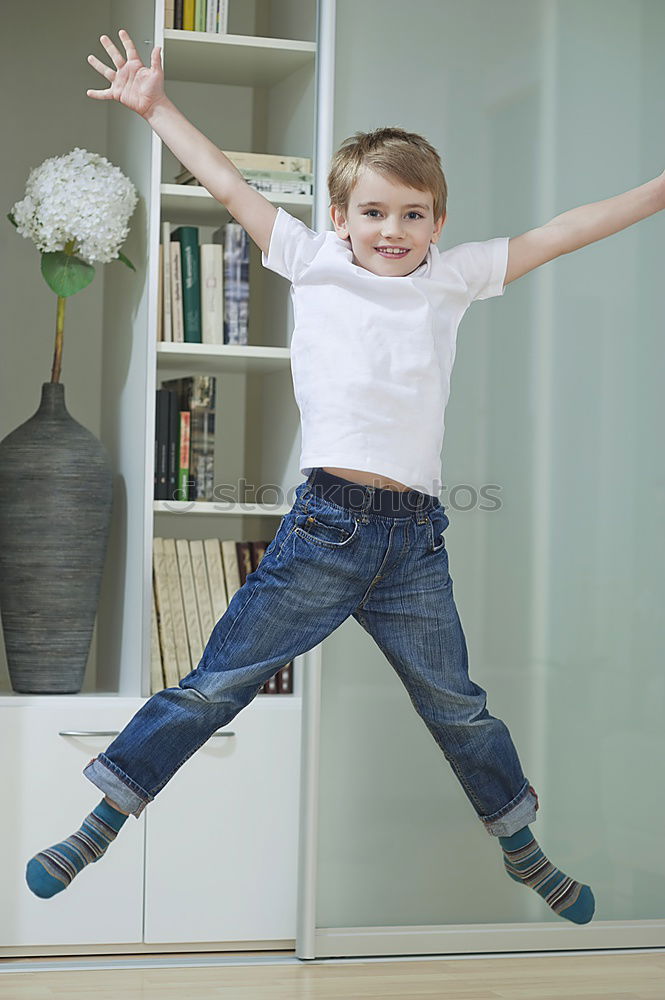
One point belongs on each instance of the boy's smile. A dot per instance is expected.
(390, 226)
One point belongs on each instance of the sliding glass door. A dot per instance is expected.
(557, 403)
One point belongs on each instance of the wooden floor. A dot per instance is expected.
(639, 976)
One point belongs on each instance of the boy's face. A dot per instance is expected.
(403, 218)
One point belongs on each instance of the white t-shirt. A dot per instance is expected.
(371, 355)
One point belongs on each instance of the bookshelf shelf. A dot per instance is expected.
(219, 507)
(239, 60)
(192, 205)
(204, 359)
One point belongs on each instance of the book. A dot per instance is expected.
(216, 581)
(235, 242)
(244, 561)
(268, 182)
(161, 469)
(165, 621)
(276, 162)
(177, 13)
(188, 14)
(188, 238)
(192, 622)
(156, 669)
(173, 448)
(177, 321)
(167, 332)
(231, 568)
(182, 488)
(172, 574)
(200, 12)
(212, 293)
(202, 588)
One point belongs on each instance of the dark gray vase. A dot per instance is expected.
(56, 490)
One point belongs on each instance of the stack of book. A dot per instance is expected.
(197, 15)
(185, 439)
(267, 172)
(204, 287)
(193, 584)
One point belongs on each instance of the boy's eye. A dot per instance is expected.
(369, 212)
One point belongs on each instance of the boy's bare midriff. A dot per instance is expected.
(367, 478)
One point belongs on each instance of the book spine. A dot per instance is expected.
(231, 569)
(183, 460)
(161, 444)
(212, 294)
(173, 446)
(177, 13)
(157, 682)
(216, 580)
(201, 587)
(188, 12)
(189, 600)
(200, 15)
(236, 283)
(244, 561)
(211, 16)
(188, 238)
(177, 607)
(176, 293)
(166, 633)
(167, 331)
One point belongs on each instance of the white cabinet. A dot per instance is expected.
(220, 852)
(222, 843)
(45, 799)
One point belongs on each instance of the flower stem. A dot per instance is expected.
(59, 330)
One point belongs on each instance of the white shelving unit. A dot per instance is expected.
(244, 790)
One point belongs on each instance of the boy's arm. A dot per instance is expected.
(141, 89)
(581, 226)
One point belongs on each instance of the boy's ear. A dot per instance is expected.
(438, 227)
(339, 222)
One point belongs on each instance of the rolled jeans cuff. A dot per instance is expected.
(117, 785)
(513, 817)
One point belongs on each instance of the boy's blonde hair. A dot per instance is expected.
(391, 151)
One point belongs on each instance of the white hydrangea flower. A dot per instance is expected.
(80, 196)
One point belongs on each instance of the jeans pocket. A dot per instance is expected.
(327, 527)
(437, 523)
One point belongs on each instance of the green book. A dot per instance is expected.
(188, 237)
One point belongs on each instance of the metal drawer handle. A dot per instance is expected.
(91, 732)
(115, 732)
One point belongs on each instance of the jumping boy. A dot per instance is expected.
(377, 308)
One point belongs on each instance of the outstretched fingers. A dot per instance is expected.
(113, 50)
(130, 48)
(97, 64)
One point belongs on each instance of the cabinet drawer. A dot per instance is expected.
(49, 797)
(222, 836)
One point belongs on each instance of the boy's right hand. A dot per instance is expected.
(138, 87)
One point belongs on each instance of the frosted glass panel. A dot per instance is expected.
(557, 403)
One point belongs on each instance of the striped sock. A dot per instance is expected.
(51, 871)
(525, 862)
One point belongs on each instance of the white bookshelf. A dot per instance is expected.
(197, 206)
(202, 358)
(257, 427)
(202, 57)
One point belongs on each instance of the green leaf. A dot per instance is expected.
(12, 219)
(65, 274)
(125, 260)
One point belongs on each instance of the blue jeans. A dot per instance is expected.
(343, 549)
